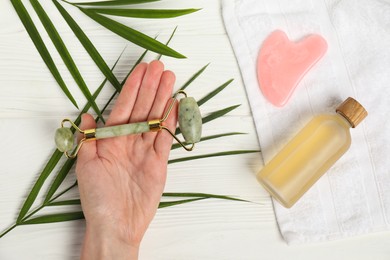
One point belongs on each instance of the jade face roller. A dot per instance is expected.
(190, 124)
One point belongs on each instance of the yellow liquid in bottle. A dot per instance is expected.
(306, 158)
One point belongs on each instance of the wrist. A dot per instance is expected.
(106, 243)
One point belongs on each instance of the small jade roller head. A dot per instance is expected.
(190, 124)
(190, 120)
(64, 139)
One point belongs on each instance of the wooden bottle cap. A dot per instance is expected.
(353, 111)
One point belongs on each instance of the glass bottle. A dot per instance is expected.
(311, 153)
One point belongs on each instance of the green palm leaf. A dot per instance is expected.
(196, 157)
(213, 93)
(38, 184)
(169, 40)
(41, 47)
(88, 46)
(165, 204)
(201, 195)
(115, 2)
(218, 113)
(64, 53)
(205, 138)
(57, 196)
(195, 76)
(132, 35)
(61, 217)
(144, 13)
(65, 203)
(59, 179)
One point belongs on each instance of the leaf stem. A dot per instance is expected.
(61, 193)
(44, 204)
(8, 230)
(32, 213)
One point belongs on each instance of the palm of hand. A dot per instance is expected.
(121, 179)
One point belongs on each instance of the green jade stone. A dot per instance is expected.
(119, 130)
(64, 139)
(190, 120)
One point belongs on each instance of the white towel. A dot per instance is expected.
(353, 197)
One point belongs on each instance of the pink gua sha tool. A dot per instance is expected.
(281, 64)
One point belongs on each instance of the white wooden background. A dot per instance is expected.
(32, 105)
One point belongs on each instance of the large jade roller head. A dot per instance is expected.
(190, 124)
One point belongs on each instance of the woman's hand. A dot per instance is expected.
(121, 179)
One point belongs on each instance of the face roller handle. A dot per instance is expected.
(190, 123)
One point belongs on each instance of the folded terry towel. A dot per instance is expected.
(353, 197)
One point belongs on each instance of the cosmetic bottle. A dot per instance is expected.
(311, 153)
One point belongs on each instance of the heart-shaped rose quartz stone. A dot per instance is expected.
(282, 63)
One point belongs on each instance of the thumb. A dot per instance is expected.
(88, 149)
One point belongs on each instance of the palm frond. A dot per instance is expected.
(195, 76)
(200, 195)
(38, 184)
(196, 157)
(64, 53)
(41, 47)
(132, 35)
(65, 203)
(169, 40)
(165, 204)
(214, 93)
(88, 46)
(144, 13)
(205, 138)
(114, 2)
(53, 218)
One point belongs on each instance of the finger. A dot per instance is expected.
(164, 93)
(163, 142)
(88, 149)
(121, 111)
(147, 92)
